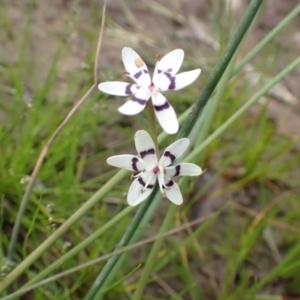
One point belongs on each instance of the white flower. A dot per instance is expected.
(144, 88)
(150, 169)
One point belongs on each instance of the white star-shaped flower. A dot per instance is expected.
(164, 79)
(150, 168)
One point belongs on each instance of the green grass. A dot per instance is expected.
(232, 255)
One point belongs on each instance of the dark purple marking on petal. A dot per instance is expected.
(159, 71)
(138, 100)
(172, 81)
(177, 168)
(141, 181)
(170, 155)
(146, 72)
(134, 162)
(164, 106)
(147, 152)
(170, 183)
(128, 89)
(137, 75)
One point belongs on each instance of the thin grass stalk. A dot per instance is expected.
(213, 104)
(37, 167)
(57, 264)
(220, 67)
(293, 14)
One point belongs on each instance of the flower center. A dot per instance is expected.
(155, 170)
(151, 87)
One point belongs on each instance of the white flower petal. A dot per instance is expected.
(127, 161)
(183, 169)
(166, 82)
(172, 191)
(135, 66)
(138, 190)
(171, 62)
(145, 147)
(165, 113)
(174, 151)
(184, 79)
(136, 104)
(131, 108)
(118, 88)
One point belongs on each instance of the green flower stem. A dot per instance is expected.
(220, 67)
(243, 109)
(105, 272)
(152, 124)
(61, 230)
(294, 13)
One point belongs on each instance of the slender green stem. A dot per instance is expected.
(100, 280)
(17, 223)
(294, 13)
(152, 124)
(203, 124)
(220, 67)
